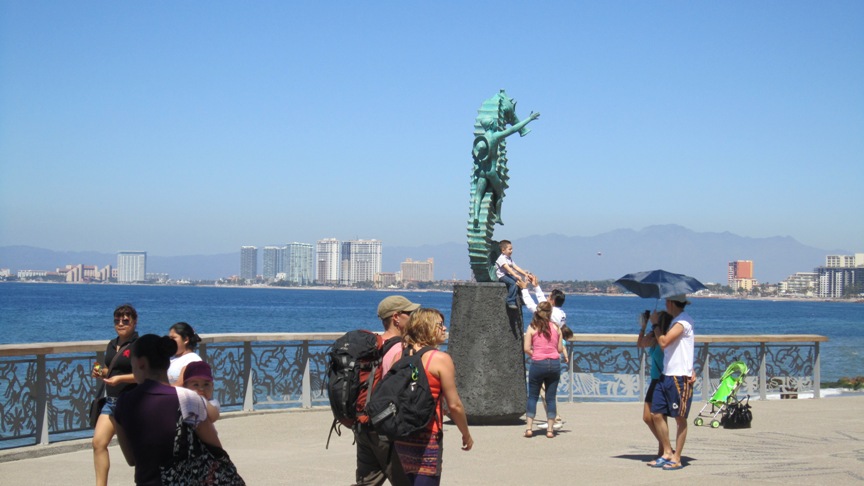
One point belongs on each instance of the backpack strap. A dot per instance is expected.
(389, 344)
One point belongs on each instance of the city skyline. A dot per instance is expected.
(157, 126)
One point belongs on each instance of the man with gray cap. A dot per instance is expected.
(376, 457)
(674, 391)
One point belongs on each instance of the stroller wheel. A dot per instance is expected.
(715, 424)
(698, 422)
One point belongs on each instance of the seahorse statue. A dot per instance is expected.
(489, 179)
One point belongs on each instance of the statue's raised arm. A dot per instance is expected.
(489, 179)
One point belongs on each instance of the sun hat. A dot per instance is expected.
(197, 369)
(394, 304)
(682, 298)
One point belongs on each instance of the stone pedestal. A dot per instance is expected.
(486, 346)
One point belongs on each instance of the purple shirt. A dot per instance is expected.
(148, 414)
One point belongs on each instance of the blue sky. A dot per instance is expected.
(197, 127)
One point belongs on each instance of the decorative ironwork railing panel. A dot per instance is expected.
(46, 388)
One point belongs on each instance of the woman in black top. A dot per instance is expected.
(118, 380)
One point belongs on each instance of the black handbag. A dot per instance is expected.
(96, 408)
(195, 463)
(737, 415)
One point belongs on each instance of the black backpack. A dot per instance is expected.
(402, 403)
(353, 366)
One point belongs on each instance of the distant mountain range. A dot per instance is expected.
(551, 257)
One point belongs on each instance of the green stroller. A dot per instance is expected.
(724, 395)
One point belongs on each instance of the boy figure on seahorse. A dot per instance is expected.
(489, 157)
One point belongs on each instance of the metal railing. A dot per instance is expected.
(46, 388)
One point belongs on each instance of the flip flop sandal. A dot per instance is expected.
(673, 466)
(659, 462)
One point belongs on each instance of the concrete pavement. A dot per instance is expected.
(790, 442)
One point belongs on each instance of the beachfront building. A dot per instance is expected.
(131, 266)
(740, 275)
(84, 273)
(804, 283)
(272, 262)
(298, 263)
(842, 276)
(360, 262)
(417, 271)
(327, 262)
(248, 262)
(386, 280)
(836, 282)
(28, 274)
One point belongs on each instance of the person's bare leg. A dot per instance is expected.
(681, 436)
(102, 434)
(663, 434)
(649, 421)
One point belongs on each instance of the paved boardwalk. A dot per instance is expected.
(790, 442)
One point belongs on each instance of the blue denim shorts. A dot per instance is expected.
(110, 404)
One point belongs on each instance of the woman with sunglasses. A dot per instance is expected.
(117, 379)
(421, 453)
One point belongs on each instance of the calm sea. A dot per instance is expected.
(32, 312)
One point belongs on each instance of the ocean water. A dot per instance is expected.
(32, 312)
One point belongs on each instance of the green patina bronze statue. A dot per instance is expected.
(489, 179)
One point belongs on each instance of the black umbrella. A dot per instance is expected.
(659, 284)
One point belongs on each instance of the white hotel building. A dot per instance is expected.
(361, 261)
(327, 262)
(298, 263)
(131, 266)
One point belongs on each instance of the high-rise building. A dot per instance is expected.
(327, 262)
(740, 275)
(741, 269)
(841, 275)
(361, 261)
(248, 262)
(844, 261)
(299, 263)
(131, 266)
(272, 261)
(418, 271)
(836, 282)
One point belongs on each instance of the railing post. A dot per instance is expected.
(706, 374)
(763, 371)
(817, 372)
(249, 398)
(642, 354)
(570, 370)
(41, 392)
(306, 397)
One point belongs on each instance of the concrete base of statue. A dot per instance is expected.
(486, 345)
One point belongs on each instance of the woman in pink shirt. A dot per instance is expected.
(543, 344)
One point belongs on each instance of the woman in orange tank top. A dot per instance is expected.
(421, 453)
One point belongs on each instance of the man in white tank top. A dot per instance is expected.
(674, 391)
